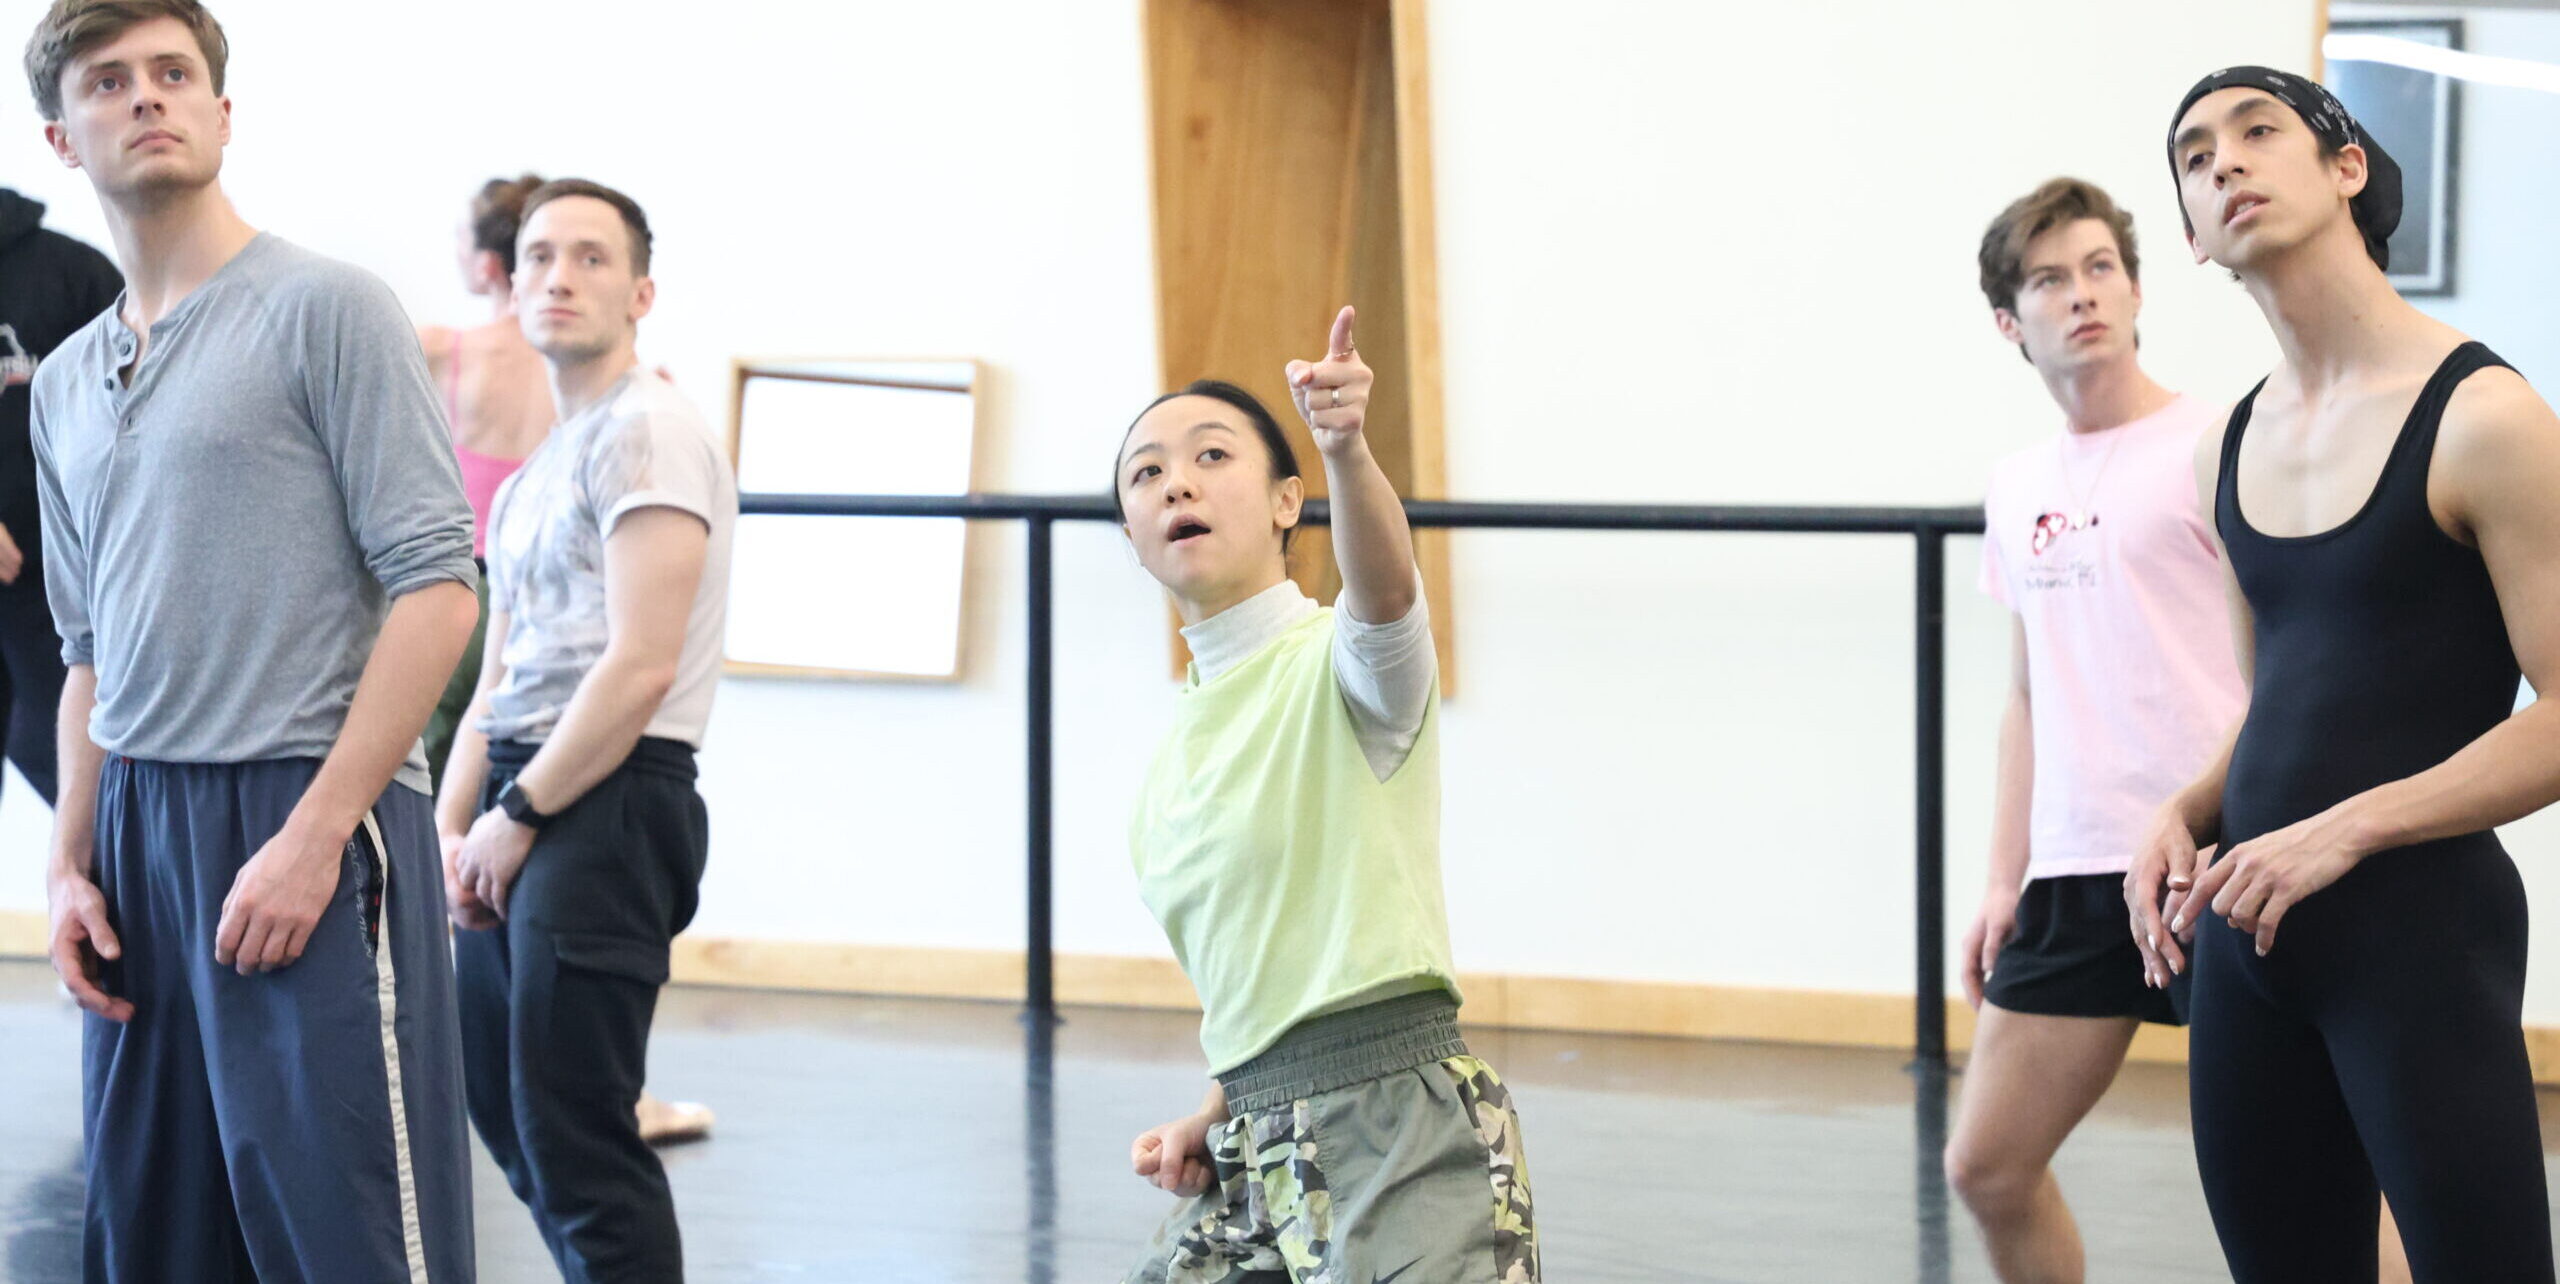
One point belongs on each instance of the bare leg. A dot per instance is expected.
(2029, 1082)
(2395, 1259)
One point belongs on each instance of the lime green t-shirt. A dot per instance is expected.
(1289, 878)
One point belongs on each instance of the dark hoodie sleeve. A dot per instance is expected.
(97, 283)
(61, 285)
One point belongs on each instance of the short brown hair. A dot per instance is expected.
(497, 214)
(632, 218)
(2057, 202)
(74, 27)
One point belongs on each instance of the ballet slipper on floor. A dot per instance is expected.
(664, 1123)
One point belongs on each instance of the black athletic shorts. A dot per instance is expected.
(2073, 955)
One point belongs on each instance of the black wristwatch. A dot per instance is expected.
(519, 808)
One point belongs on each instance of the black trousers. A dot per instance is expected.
(30, 678)
(556, 1005)
(2377, 1050)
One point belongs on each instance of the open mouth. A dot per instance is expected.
(2240, 205)
(1186, 528)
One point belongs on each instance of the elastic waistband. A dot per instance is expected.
(288, 775)
(253, 767)
(653, 754)
(113, 757)
(1340, 1049)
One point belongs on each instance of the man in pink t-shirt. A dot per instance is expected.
(2124, 682)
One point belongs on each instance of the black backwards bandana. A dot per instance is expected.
(2377, 207)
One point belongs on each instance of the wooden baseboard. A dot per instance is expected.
(21, 935)
(1576, 1004)
(1522, 1002)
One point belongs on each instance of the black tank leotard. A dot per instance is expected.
(2380, 1043)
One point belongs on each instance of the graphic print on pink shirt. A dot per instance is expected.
(2098, 542)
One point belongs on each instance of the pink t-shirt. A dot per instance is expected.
(2130, 671)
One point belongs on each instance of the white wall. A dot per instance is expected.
(2506, 272)
(1688, 253)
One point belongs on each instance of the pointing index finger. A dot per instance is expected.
(1338, 345)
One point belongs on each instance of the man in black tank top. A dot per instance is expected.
(2358, 935)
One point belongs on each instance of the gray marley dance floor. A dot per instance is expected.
(876, 1141)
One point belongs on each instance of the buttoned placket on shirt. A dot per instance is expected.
(127, 396)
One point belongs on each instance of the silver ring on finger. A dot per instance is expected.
(1337, 398)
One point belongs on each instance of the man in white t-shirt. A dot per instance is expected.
(2123, 683)
(574, 839)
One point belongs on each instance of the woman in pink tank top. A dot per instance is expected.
(497, 397)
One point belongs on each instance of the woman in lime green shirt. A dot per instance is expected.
(1288, 839)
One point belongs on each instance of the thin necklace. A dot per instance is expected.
(2081, 515)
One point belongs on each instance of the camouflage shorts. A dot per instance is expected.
(1415, 1178)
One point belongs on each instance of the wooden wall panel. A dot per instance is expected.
(1419, 206)
(1281, 179)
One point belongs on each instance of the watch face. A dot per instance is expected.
(512, 801)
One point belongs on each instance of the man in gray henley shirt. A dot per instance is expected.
(259, 558)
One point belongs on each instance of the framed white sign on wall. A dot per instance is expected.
(851, 597)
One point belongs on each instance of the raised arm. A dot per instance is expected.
(1372, 542)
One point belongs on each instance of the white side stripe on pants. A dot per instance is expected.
(386, 989)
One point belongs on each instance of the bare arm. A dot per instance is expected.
(2200, 803)
(466, 765)
(1175, 1156)
(78, 935)
(653, 564)
(2498, 464)
(1372, 541)
(422, 640)
(652, 567)
(280, 893)
(2198, 806)
(2013, 792)
(2501, 454)
(2164, 869)
(77, 760)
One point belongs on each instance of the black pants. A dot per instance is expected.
(556, 1005)
(30, 678)
(2378, 1049)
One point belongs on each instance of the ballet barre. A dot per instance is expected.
(1927, 527)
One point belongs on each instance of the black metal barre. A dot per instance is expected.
(1928, 527)
(1449, 513)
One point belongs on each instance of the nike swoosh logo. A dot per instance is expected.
(1399, 1273)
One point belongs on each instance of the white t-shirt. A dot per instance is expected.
(2131, 677)
(642, 445)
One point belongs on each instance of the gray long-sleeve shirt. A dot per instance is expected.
(225, 535)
